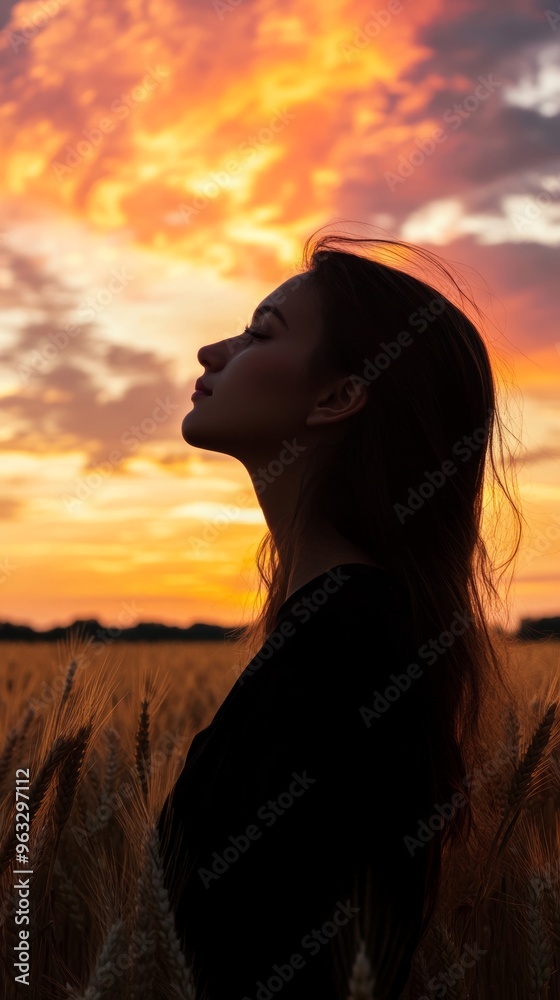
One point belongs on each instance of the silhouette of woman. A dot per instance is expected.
(314, 809)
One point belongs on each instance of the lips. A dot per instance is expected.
(201, 387)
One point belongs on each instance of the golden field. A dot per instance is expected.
(103, 736)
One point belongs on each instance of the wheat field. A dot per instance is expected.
(94, 741)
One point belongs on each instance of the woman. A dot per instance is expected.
(313, 810)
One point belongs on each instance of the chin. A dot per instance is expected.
(193, 435)
(187, 435)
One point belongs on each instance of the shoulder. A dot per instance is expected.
(339, 636)
(349, 600)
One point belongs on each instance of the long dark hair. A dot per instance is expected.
(431, 390)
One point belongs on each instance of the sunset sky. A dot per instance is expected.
(116, 266)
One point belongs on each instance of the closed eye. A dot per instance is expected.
(251, 333)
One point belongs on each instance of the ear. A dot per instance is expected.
(341, 399)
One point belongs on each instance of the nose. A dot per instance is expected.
(214, 356)
(208, 356)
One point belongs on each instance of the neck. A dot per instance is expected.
(322, 546)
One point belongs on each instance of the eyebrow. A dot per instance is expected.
(275, 312)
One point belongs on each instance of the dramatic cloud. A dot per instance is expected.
(160, 175)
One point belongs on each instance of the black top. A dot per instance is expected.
(292, 795)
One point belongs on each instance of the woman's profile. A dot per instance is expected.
(313, 811)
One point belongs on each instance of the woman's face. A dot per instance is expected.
(262, 389)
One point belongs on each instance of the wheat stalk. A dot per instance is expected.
(93, 773)
(12, 740)
(553, 897)
(143, 942)
(111, 764)
(516, 795)
(68, 779)
(9, 936)
(541, 958)
(81, 801)
(513, 745)
(420, 970)
(60, 749)
(554, 904)
(108, 968)
(69, 773)
(14, 737)
(513, 731)
(143, 747)
(183, 981)
(362, 981)
(40, 845)
(457, 989)
(66, 891)
(68, 683)
(527, 765)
